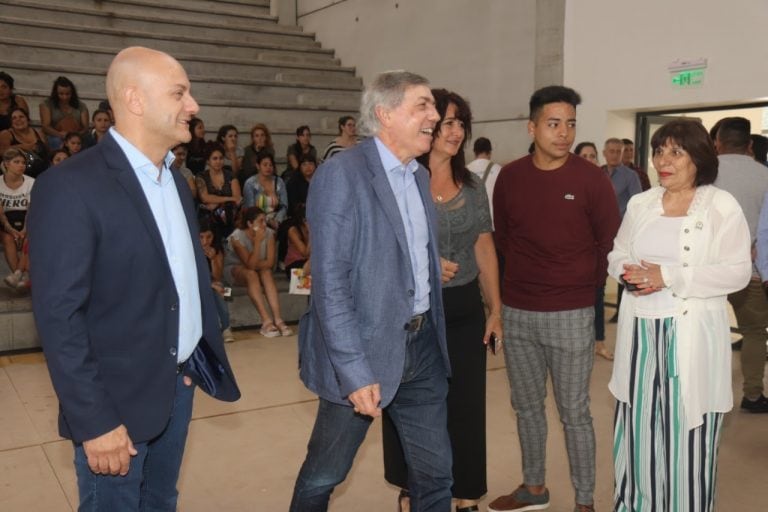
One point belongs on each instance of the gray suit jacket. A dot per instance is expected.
(354, 332)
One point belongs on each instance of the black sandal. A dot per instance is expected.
(471, 508)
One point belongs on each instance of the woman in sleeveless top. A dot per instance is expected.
(63, 112)
(22, 136)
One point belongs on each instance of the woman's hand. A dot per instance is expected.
(209, 251)
(448, 269)
(647, 277)
(493, 325)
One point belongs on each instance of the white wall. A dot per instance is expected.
(617, 52)
(482, 49)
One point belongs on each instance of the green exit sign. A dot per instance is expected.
(688, 78)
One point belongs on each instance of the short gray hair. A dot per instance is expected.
(387, 90)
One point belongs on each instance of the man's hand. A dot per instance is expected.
(110, 453)
(366, 400)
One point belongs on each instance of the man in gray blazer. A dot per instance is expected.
(374, 334)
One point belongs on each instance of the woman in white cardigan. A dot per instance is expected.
(681, 249)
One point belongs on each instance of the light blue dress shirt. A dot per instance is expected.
(402, 179)
(163, 198)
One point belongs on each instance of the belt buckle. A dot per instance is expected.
(416, 323)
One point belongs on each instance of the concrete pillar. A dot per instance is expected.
(550, 22)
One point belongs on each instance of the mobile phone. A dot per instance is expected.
(630, 287)
(492, 342)
(227, 293)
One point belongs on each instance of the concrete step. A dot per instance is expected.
(266, 93)
(46, 53)
(209, 27)
(20, 28)
(242, 312)
(230, 10)
(282, 122)
(18, 331)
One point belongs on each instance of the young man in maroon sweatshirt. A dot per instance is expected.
(555, 218)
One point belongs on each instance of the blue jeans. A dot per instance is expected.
(419, 413)
(150, 485)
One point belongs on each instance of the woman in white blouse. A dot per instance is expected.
(681, 249)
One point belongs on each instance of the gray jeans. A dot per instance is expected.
(562, 343)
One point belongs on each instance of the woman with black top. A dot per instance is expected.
(296, 150)
(219, 194)
(198, 147)
(470, 278)
(8, 100)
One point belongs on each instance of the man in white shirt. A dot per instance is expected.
(483, 167)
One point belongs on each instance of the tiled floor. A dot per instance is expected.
(244, 456)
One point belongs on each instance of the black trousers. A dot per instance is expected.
(465, 326)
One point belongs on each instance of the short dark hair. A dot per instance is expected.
(100, 111)
(552, 94)
(760, 147)
(628, 142)
(301, 129)
(482, 145)
(733, 133)
(305, 157)
(690, 135)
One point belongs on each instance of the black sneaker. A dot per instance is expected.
(755, 406)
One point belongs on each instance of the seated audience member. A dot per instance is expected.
(297, 254)
(267, 191)
(197, 148)
(180, 164)
(9, 100)
(295, 150)
(249, 259)
(63, 112)
(22, 136)
(73, 143)
(101, 121)
(346, 139)
(261, 141)
(15, 190)
(233, 154)
(215, 254)
(299, 185)
(104, 105)
(219, 193)
(58, 156)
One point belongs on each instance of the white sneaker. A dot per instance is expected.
(227, 335)
(13, 279)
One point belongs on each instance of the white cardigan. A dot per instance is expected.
(715, 261)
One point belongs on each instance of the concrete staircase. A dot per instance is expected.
(244, 68)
